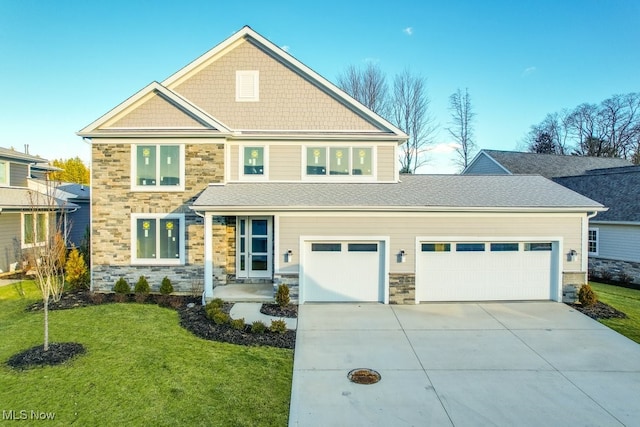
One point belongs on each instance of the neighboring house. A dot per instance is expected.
(495, 162)
(614, 236)
(246, 166)
(25, 220)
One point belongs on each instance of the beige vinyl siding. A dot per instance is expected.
(619, 242)
(286, 100)
(402, 231)
(18, 174)
(234, 162)
(386, 163)
(10, 229)
(285, 162)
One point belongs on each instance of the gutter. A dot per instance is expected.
(412, 209)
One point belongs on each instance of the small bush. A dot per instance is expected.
(211, 310)
(237, 324)
(279, 326)
(76, 271)
(166, 287)
(175, 301)
(97, 298)
(121, 297)
(258, 327)
(606, 276)
(624, 278)
(282, 295)
(587, 296)
(141, 297)
(221, 318)
(142, 286)
(122, 287)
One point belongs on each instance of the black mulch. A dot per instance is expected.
(599, 310)
(57, 354)
(289, 310)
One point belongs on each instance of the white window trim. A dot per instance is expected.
(251, 177)
(6, 180)
(158, 261)
(597, 241)
(345, 178)
(35, 227)
(156, 188)
(240, 76)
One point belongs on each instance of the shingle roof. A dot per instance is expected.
(552, 165)
(414, 192)
(13, 154)
(22, 199)
(617, 188)
(81, 191)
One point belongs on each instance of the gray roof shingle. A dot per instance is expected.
(414, 192)
(22, 199)
(552, 165)
(617, 188)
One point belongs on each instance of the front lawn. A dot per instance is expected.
(625, 300)
(140, 368)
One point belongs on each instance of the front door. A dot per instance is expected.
(254, 247)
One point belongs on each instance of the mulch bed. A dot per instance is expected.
(599, 310)
(192, 317)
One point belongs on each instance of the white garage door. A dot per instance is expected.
(485, 271)
(342, 271)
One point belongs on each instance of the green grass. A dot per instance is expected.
(625, 300)
(141, 368)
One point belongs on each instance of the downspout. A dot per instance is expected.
(585, 246)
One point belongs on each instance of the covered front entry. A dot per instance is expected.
(466, 270)
(342, 271)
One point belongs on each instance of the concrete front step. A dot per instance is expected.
(245, 292)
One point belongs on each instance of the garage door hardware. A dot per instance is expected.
(364, 376)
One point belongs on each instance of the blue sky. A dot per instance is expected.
(65, 63)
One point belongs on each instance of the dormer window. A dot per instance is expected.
(247, 86)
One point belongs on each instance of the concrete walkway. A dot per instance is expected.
(504, 364)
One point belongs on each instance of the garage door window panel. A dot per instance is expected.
(436, 247)
(326, 247)
(504, 247)
(363, 247)
(536, 246)
(470, 247)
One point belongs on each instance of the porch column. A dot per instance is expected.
(208, 256)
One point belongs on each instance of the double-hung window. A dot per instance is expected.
(158, 239)
(339, 161)
(35, 229)
(593, 241)
(158, 167)
(254, 160)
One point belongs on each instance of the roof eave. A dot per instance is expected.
(492, 209)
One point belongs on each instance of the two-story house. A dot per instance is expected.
(28, 212)
(246, 165)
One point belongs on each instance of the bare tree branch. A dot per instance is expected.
(461, 129)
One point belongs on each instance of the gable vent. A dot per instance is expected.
(247, 86)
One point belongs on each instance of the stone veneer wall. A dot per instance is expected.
(402, 288)
(292, 281)
(614, 268)
(571, 284)
(113, 202)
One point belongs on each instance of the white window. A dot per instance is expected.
(157, 167)
(247, 86)
(254, 160)
(35, 229)
(4, 172)
(593, 241)
(336, 161)
(157, 239)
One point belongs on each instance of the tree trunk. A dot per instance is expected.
(46, 324)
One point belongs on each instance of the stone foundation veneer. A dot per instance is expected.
(186, 279)
(571, 284)
(615, 268)
(402, 288)
(292, 281)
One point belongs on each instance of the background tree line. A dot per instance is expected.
(608, 129)
(406, 104)
(73, 170)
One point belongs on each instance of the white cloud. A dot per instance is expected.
(528, 71)
(285, 48)
(408, 31)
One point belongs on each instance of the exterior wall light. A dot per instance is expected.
(288, 256)
(402, 256)
(571, 256)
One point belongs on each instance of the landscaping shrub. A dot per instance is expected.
(175, 301)
(258, 327)
(166, 287)
(212, 308)
(237, 324)
(279, 326)
(221, 318)
(624, 278)
(122, 286)
(606, 276)
(97, 298)
(282, 295)
(216, 302)
(142, 286)
(76, 271)
(587, 296)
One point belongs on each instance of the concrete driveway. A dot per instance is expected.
(470, 364)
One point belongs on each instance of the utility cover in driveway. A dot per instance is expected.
(343, 271)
